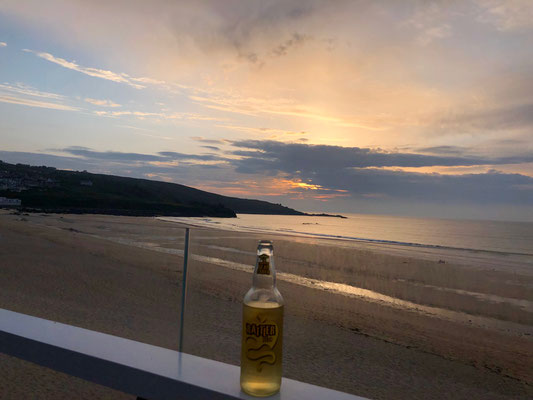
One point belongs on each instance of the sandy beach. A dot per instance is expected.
(368, 320)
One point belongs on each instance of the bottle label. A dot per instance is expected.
(263, 265)
(262, 337)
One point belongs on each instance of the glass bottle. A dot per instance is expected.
(262, 328)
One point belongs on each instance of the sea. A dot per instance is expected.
(498, 237)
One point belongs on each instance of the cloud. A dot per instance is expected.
(496, 113)
(210, 141)
(26, 90)
(95, 72)
(294, 41)
(278, 156)
(376, 78)
(302, 78)
(428, 20)
(3, 44)
(507, 15)
(156, 116)
(274, 132)
(486, 188)
(214, 148)
(109, 155)
(508, 117)
(163, 156)
(449, 150)
(384, 188)
(28, 96)
(102, 103)
(365, 173)
(282, 107)
(49, 160)
(140, 114)
(144, 132)
(251, 57)
(36, 103)
(436, 32)
(129, 165)
(180, 156)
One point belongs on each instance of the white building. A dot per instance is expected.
(4, 201)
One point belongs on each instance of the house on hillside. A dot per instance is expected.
(5, 202)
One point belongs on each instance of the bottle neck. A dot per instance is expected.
(265, 270)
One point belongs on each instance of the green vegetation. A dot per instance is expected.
(51, 190)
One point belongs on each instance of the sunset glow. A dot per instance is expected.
(317, 105)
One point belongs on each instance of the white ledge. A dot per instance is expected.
(137, 368)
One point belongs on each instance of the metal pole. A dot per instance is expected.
(184, 286)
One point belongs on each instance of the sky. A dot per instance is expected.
(421, 108)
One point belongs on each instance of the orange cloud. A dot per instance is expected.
(299, 184)
(273, 187)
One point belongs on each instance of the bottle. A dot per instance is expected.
(262, 328)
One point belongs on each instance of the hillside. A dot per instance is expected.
(51, 190)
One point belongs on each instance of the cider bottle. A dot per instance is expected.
(262, 328)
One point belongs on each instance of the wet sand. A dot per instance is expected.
(121, 275)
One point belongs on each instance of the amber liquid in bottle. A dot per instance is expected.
(262, 329)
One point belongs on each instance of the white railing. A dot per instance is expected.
(136, 368)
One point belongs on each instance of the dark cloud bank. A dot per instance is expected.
(353, 170)
(163, 156)
(292, 157)
(356, 170)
